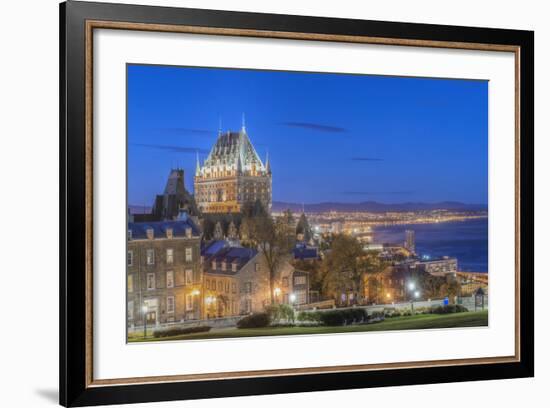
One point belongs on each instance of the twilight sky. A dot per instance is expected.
(330, 137)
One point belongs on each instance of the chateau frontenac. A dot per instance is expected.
(232, 175)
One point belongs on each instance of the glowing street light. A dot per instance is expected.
(411, 286)
(416, 294)
(292, 298)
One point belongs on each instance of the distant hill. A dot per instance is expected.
(374, 206)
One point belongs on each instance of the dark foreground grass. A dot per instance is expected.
(418, 322)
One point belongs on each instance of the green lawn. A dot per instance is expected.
(427, 321)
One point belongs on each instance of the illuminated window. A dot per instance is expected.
(150, 257)
(170, 304)
(188, 254)
(189, 302)
(150, 281)
(170, 279)
(130, 310)
(300, 280)
(188, 276)
(130, 283)
(169, 256)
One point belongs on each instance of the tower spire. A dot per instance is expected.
(267, 166)
(244, 123)
(198, 167)
(219, 125)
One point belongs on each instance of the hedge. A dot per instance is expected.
(343, 316)
(309, 317)
(254, 320)
(444, 309)
(176, 331)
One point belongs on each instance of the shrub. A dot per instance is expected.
(359, 315)
(333, 318)
(254, 320)
(379, 315)
(445, 309)
(280, 312)
(391, 313)
(176, 331)
(309, 317)
(343, 316)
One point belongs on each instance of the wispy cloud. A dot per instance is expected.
(378, 192)
(180, 131)
(173, 149)
(366, 159)
(316, 126)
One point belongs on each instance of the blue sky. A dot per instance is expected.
(330, 137)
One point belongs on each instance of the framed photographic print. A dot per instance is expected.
(255, 203)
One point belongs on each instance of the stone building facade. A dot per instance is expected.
(241, 277)
(164, 273)
(233, 174)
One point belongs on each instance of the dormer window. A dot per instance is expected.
(129, 235)
(150, 233)
(214, 265)
(188, 232)
(169, 233)
(224, 266)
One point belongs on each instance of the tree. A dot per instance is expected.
(208, 228)
(303, 228)
(343, 267)
(346, 265)
(285, 225)
(271, 239)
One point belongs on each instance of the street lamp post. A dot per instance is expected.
(144, 310)
(292, 299)
(414, 294)
(196, 293)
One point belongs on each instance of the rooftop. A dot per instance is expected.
(178, 226)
